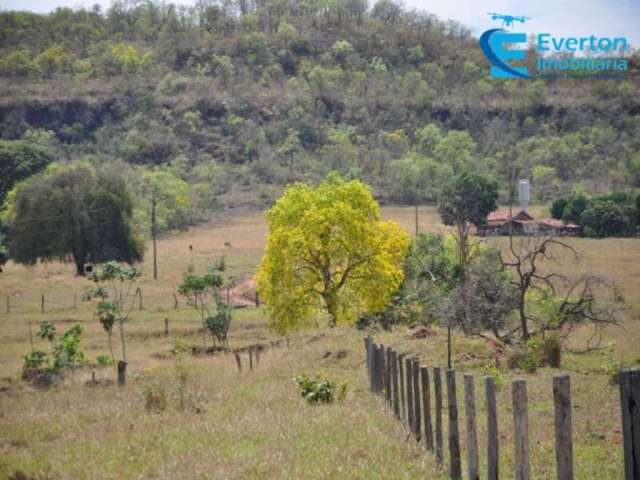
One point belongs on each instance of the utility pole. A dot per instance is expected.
(153, 234)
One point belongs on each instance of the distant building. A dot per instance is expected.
(521, 223)
(501, 223)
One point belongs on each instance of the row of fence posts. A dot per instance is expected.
(43, 303)
(405, 385)
(254, 352)
(138, 294)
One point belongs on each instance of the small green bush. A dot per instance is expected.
(104, 360)
(179, 347)
(550, 351)
(523, 359)
(612, 370)
(536, 353)
(66, 353)
(499, 378)
(320, 389)
(155, 397)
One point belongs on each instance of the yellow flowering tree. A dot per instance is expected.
(329, 251)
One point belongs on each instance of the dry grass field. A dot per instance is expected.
(223, 424)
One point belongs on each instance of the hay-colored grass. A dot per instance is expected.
(254, 424)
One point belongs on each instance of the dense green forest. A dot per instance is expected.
(238, 98)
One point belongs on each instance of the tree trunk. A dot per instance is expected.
(124, 352)
(449, 363)
(79, 268)
(523, 319)
(332, 309)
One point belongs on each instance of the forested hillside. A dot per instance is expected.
(240, 97)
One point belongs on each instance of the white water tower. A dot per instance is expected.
(523, 195)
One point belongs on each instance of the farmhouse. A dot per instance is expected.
(500, 222)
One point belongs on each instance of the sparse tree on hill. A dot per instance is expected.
(328, 251)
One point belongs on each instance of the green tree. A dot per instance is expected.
(200, 290)
(72, 211)
(116, 297)
(456, 149)
(545, 181)
(465, 202)
(328, 250)
(427, 139)
(18, 160)
(604, 218)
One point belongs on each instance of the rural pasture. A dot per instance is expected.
(220, 423)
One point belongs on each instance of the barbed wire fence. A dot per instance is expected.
(58, 302)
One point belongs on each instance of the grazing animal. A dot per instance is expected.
(227, 244)
(191, 248)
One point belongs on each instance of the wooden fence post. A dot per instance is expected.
(376, 368)
(521, 429)
(367, 350)
(383, 386)
(437, 387)
(140, 297)
(394, 381)
(455, 469)
(387, 376)
(238, 361)
(250, 358)
(492, 429)
(417, 420)
(630, 405)
(8, 305)
(564, 447)
(403, 405)
(409, 370)
(473, 463)
(166, 325)
(122, 373)
(42, 303)
(426, 407)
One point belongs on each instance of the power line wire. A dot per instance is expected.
(20, 235)
(44, 217)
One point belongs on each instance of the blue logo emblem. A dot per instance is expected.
(493, 43)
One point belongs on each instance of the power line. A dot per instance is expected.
(20, 235)
(44, 217)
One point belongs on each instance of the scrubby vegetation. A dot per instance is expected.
(615, 214)
(230, 94)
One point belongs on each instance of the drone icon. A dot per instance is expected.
(507, 20)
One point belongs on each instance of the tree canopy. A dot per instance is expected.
(72, 211)
(328, 251)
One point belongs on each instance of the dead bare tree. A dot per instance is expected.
(575, 302)
(580, 304)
